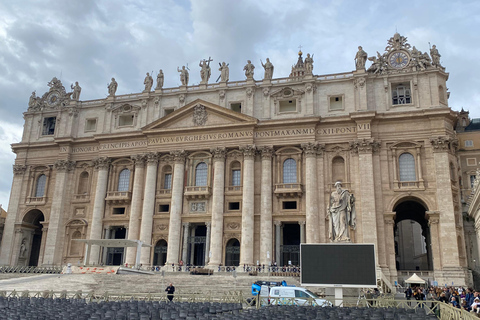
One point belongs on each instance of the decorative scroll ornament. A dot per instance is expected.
(200, 115)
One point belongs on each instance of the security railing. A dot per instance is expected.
(27, 269)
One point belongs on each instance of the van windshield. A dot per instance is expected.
(312, 294)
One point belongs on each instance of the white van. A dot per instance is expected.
(294, 296)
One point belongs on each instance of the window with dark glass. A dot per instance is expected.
(201, 174)
(41, 183)
(289, 171)
(123, 180)
(167, 182)
(401, 94)
(49, 126)
(406, 163)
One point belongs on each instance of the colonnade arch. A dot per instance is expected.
(30, 238)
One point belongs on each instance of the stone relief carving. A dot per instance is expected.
(161, 227)
(197, 206)
(233, 226)
(249, 92)
(200, 115)
(360, 82)
(221, 94)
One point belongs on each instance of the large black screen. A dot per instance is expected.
(346, 265)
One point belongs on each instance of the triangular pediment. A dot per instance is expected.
(200, 114)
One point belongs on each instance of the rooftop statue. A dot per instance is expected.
(309, 64)
(183, 75)
(360, 59)
(268, 66)
(205, 72)
(249, 67)
(148, 82)
(224, 72)
(112, 87)
(159, 80)
(435, 57)
(76, 91)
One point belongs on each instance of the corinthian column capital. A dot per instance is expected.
(364, 145)
(101, 163)
(248, 151)
(219, 153)
(266, 152)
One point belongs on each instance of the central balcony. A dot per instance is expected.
(196, 192)
(118, 197)
(288, 190)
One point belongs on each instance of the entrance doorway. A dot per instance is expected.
(412, 237)
(115, 255)
(232, 253)
(31, 254)
(160, 253)
(197, 245)
(290, 247)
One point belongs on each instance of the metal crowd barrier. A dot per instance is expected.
(291, 270)
(27, 269)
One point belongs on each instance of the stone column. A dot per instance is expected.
(366, 205)
(186, 227)
(207, 242)
(218, 201)
(54, 244)
(148, 206)
(442, 147)
(246, 246)
(278, 226)
(302, 231)
(389, 218)
(101, 165)
(9, 228)
(435, 236)
(136, 207)
(266, 223)
(311, 192)
(175, 225)
(105, 249)
(322, 207)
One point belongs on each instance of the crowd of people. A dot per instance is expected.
(458, 297)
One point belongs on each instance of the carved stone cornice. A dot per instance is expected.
(219, 153)
(19, 169)
(102, 163)
(248, 151)
(444, 143)
(310, 149)
(179, 155)
(364, 145)
(151, 158)
(139, 160)
(266, 152)
(64, 165)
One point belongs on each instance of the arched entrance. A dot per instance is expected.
(160, 253)
(412, 237)
(290, 248)
(232, 253)
(31, 242)
(115, 255)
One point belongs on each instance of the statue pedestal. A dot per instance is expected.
(183, 87)
(250, 81)
(359, 71)
(222, 84)
(267, 81)
(202, 86)
(159, 90)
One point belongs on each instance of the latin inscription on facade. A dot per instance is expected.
(217, 136)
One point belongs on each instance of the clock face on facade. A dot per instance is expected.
(399, 60)
(53, 98)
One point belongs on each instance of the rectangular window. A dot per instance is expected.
(468, 143)
(126, 120)
(289, 205)
(472, 180)
(168, 111)
(90, 125)
(236, 179)
(49, 126)
(168, 181)
(165, 208)
(118, 211)
(401, 94)
(287, 106)
(237, 107)
(471, 161)
(234, 206)
(336, 103)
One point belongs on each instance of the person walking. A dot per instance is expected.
(170, 291)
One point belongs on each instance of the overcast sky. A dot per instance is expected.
(93, 41)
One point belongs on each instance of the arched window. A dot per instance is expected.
(289, 171)
(83, 183)
(406, 163)
(201, 174)
(338, 169)
(41, 182)
(236, 173)
(123, 180)
(167, 177)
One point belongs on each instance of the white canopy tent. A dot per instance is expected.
(114, 243)
(415, 279)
